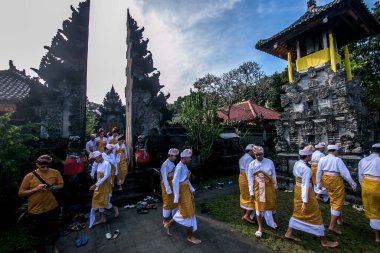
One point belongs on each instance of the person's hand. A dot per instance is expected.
(40, 187)
(93, 187)
(52, 188)
(304, 207)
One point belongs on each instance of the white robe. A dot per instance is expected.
(370, 165)
(244, 162)
(316, 156)
(166, 168)
(301, 170)
(266, 166)
(180, 175)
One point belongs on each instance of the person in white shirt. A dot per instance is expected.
(121, 154)
(307, 216)
(184, 196)
(167, 174)
(369, 178)
(114, 136)
(262, 185)
(246, 202)
(101, 140)
(101, 189)
(331, 172)
(91, 144)
(317, 155)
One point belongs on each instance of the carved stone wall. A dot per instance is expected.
(323, 106)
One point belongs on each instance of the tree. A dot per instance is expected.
(365, 62)
(15, 153)
(203, 126)
(92, 110)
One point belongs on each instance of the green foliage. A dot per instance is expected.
(365, 63)
(200, 120)
(92, 120)
(357, 234)
(14, 239)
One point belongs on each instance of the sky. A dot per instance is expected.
(188, 39)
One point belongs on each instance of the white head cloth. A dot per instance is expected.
(320, 145)
(110, 146)
(376, 145)
(305, 152)
(186, 153)
(173, 151)
(258, 150)
(332, 147)
(249, 147)
(95, 154)
(93, 135)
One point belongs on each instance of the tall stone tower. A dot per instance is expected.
(112, 112)
(146, 109)
(323, 102)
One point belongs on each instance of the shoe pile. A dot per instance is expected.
(358, 208)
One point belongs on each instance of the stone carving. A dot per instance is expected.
(284, 100)
(311, 72)
(309, 113)
(281, 144)
(326, 111)
(292, 127)
(296, 98)
(308, 97)
(324, 93)
(309, 128)
(331, 125)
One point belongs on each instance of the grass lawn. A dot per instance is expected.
(357, 234)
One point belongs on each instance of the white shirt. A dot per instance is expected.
(369, 165)
(91, 146)
(244, 162)
(316, 156)
(109, 158)
(266, 166)
(303, 171)
(109, 139)
(104, 168)
(331, 163)
(166, 168)
(180, 175)
(117, 146)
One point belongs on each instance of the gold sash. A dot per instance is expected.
(186, 203)
(371, 197)
(122, 166)
(265, 193)
(101, 195)
(101, 145)
(168, 199)
(314, 168)
(335, 189)
(313, 213)
(245, 197)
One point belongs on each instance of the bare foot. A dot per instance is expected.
(292, 237)
(329, 244)
(335, 231)
(339, 221)
(247, 219)
(194, 240)
(167, 227)
(101, 221)
(116, 212)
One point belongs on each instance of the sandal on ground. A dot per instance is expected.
(116, 233)
(83, 225)
(258, 234)
(108, 236)
(84, 240)
(78, 243)
(75, 227)
(142, 211)
(151, 206)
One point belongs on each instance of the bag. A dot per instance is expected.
(142, 156)
(57, 195)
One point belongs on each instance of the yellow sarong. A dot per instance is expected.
(101, 195)
(314, 168)
(245, 197)
(313, 213)
(186, 203)
(371, 198)
(168, 199)
(122, 166)
(112, 176)
(335, 189)
(265, 193)
(113, 141)
(101, 145)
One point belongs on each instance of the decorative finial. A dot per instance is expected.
(311, 4)
(11, 66)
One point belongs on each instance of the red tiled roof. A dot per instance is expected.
(249, 111)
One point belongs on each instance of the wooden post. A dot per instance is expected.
(290, 68)
(347, 63)
(332, 52)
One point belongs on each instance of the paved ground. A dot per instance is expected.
(144, 233)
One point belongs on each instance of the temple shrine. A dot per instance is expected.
(323, 101)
